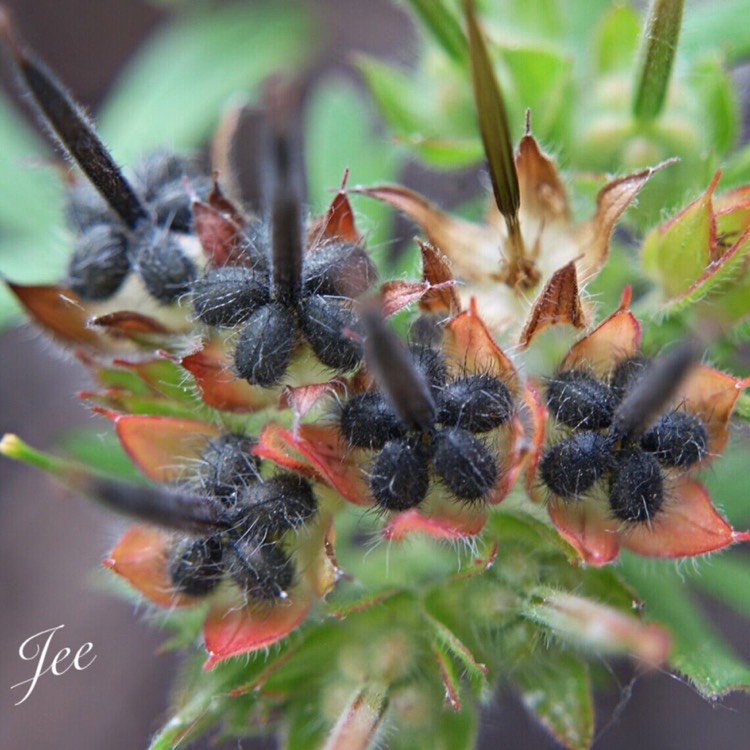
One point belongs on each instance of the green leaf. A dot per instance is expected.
(543, 80)
(556, 688)
(721, 25)
(660, 37)
(173, 91)
(440, 21)
(410, 103)
(616, 40)
(448, 643)
(698, 652)
(340, 135)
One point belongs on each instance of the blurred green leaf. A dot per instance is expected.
(542, 82)
(340, 135)
(556, 688)
(30, 210)
(172, 93)
(710, 80)
(444, 26)
(698, 652)
(412, 105)
(726, 578)
(616, 39)
(724, 25)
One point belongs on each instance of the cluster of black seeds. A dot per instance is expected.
(273, 290)
(605, 442)
(251, 515)
(316, 305)
(446, 443)
(107, 249)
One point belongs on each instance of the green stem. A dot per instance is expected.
(659, 47)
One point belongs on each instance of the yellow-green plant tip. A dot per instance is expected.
(660, 38)
(493, 121)
(12, 446)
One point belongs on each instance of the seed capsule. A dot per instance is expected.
(580, 401)
(265, 345)
(636, 492)
(571, 467)
(464, 464)
(400, 475)
(477, 403)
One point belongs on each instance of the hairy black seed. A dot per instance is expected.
(339, 269)
(100, 262)
(367, 421)
(263, 571)
(570, 468)
(166, 272)
(265, 345)
(464, 463)
(323, 321)
(172, 203)
(255, 245)
(477, 403)
(159, 168)
(677, 438)
(636, 490)
(85, 207)
(578, 400)
(400, 475)
(228, 295)
(228, 466)
(626, 374)
(280, 503)
(431, 364)
(195, 565)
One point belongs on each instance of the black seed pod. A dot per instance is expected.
(100, 262)
(400, 475)
(85, 208)
(228, 466)
(477, 403)
(464, 463)
(431, 364)
(323, 321)
(636, 490)
(578, 400)
(195, 565)
(570, 468)
(228, 295)
(338, 269)
(677, 438)
(280, 503)
(627, 373)
(263, 571)
(159, 168)
(367, 421)
(265, 345)
(166, 272)
(172, 203)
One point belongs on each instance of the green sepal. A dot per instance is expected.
(556, 688)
